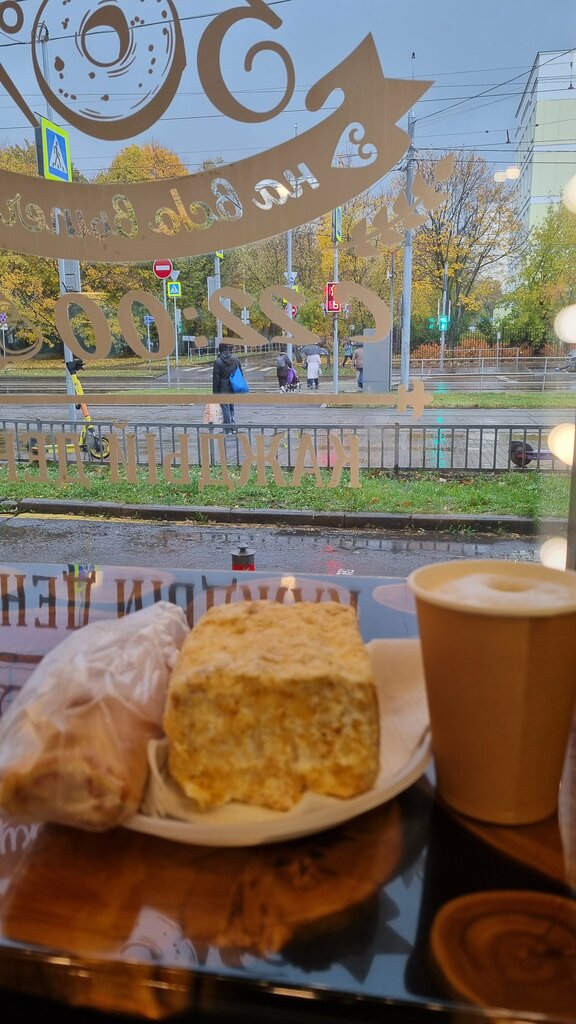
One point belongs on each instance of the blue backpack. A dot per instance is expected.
(237, 382)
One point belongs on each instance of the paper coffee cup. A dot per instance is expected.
(499, 650)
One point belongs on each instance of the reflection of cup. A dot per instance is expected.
(499, 650)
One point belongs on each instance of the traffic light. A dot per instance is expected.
(431, 323)
(332, 306)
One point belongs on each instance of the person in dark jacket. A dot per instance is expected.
(283, 365)
(223, 369)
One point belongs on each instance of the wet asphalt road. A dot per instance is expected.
(180, 545)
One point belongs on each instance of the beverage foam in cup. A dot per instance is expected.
(514, 595)
(499, 651)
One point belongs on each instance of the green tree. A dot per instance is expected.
(546, 281)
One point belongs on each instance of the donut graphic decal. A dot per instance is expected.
(112, 69)
(143, 56)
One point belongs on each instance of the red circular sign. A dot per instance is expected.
(162, 268)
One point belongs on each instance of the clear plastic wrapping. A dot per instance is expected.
(73, 744)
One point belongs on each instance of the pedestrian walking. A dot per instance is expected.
(313, 370)
(348, 353)
(359, 365)
(283, 366)
(223, 369)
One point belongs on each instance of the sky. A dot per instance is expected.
(478, 54)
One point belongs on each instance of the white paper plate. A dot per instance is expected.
(404, 755)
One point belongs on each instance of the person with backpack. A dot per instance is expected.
(283, 367)
(348, 352)
(223, 368)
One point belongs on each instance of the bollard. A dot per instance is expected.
(243, 559)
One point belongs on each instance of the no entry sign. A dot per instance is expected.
(162, 268)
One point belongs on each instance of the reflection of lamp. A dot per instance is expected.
(569, 195)
(553, 553)
(510, 174)
(571, 532)
(289, 582)
(562, 444)
(565, 325)
(562, 439)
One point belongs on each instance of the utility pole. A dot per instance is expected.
(289, 349)
(336, 315)
(407, 283)
(165, 294)
(392, 284)
(68, 270)
(217, 284)
(443, 322)
(176, 333)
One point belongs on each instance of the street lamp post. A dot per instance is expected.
(407, 283)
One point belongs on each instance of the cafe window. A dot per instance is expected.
(287, 434)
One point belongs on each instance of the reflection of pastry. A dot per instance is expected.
(268, 701)
(143, 56)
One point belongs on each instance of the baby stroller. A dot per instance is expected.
(293, 380)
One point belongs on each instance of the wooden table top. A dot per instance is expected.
(338, 924)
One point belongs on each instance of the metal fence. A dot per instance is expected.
(492, 373)
(389, 447)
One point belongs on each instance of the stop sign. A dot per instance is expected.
(162, 268)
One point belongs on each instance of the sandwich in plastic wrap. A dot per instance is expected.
(73, 743)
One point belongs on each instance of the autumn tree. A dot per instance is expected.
(545, 279)
(148, 162)
(31, 282)
(474, 233)
(108, 282)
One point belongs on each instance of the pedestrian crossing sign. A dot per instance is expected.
(174, 289)
(55, 152)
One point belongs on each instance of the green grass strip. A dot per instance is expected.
(533, 494)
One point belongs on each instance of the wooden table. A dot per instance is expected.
(333, 927)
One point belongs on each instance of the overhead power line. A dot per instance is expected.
(148, 24)
(491, 88)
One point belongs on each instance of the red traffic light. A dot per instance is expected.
(332, 306)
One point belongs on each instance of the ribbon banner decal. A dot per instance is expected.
(231, 205)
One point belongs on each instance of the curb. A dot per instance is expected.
(417, 522)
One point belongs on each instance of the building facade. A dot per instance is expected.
(546, 134)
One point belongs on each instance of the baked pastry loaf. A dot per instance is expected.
(267, 701)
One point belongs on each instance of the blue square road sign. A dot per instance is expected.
(54, 150)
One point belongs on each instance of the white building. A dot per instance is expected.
(546, 134)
